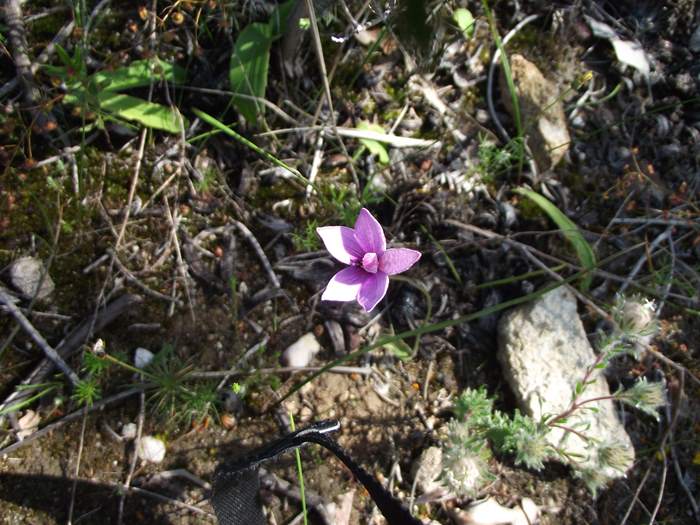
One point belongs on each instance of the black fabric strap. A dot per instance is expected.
(235, 496)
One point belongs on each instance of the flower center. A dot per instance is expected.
(370, 262)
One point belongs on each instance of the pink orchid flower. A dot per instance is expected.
(371, 264)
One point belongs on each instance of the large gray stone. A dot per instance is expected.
(25, 274)
(544, 352)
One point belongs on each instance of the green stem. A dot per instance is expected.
(240, 138)
(300, 473)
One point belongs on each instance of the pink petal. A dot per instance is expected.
(369, 233)
(397, 260)
(345, 285)
(373, 290)
(340, 241)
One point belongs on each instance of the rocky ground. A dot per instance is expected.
(175, 272)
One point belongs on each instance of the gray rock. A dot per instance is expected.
(544, 352)
(541, 112)
(25, 275)
(694, 43)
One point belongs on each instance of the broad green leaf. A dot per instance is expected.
(569, 230)
(465, 21)
(146, 113)
(375, 147)
(250, 61)
(137, 74)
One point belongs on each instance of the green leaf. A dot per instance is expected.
(375, 147)
(465, 21)
(146, 113)
(137, 74)
(400, 349)
(278, 19)
(250, 61)
(570, 231)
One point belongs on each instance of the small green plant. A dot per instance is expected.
(86, 392)
(477, 427)
(307, 240)
(493, 159)
(100, 94)
(174, 394)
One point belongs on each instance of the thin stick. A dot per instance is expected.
(660, 222)
(667, 286)
(72, 417)
(72, 342)
(132, 190)
(681, 478)
(315, 164)
(662, 488)
(181, 266)
(259, 252)
(166, 499)
(226, 374)
(132, 279)
(638, 266)
(327, 88)
(49, 352)
(77, 468)
(396, 141)
(132, 465)
(602, 313)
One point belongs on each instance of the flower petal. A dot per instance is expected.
(373, 290)
(369, 233)
(345, 285)
(340, 241)
(397, 260)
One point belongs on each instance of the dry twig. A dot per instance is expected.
(49, 352)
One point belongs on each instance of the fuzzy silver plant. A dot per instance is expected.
(465, 460)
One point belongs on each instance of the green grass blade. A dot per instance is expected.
(570, 231)
(300, 472)
(240, 138)
(506, 69)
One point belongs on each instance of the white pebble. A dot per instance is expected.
(150, 449)
(143, 358)
(129, 431)
(301, 352)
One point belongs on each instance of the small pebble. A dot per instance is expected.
(129, 431)
(301, 352)
(143, 358)
(150, 449)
